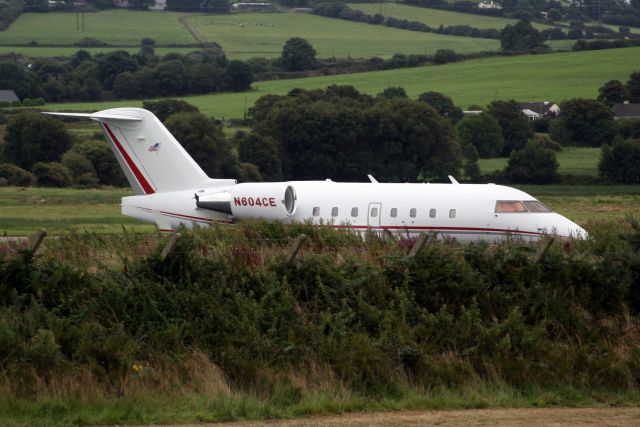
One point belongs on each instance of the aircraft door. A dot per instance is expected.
(374, 214)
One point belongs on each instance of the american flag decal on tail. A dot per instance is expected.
(155, 147)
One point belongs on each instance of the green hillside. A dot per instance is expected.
(263, 34)
(525, 78)
(118, 27)
(572, 160)
(435, 17)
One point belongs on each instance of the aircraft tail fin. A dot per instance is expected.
(151, 158)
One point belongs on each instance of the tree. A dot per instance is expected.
(415, 142)
(521, 37)
(238, 76)
(612, 92)
(533, 164)
(633, 87)
(126, 85)
(184, 5)
(82, 171)
(52, 174)
(341, 134)
(393, 92)
(166, 107)
(14, 76)
(204, 141)
(442, 104)
(298, 55)
(482, 132)
(113, 63)
(620, 162)
(170, 78)
(583, 122)
(260, 151)
(103, 161)
(444, 56)
(207, 77)
(516, 130)
(32, 137)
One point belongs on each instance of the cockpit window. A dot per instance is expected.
(510, 206)
(536, 206)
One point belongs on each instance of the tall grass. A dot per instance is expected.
(100, 330)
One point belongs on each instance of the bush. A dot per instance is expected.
(620, 162)
(533, 164)
(444, 56)
(16, 176)
(52, 174)
(81, 169)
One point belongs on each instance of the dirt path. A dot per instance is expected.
(547, 417)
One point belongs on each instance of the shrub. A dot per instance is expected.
(444, 56)
(81, 169)
(533, 164)
(52, 174)
(15, 175)
(620, 162)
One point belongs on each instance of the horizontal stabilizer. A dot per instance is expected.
(98, 116)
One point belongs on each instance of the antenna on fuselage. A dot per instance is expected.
(372, 179)
(453, 180)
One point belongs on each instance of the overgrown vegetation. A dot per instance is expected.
(226, 316)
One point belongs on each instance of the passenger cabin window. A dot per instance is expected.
(354, 212)
(374, 212)
(394, 212)
(510, 206)
(413, 212)
(432, 213)
(316, 211)
(334, 211)
(452, 213)
(536, 206)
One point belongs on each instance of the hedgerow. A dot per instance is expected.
(107, 313)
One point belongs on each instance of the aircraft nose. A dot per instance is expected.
(571, 229)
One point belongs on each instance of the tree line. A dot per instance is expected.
(118, 74)
(342, 134)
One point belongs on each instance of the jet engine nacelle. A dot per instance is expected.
(272, 200)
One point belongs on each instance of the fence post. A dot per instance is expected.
(541, 249)
(295, 248)
(170, 246)
(417, 246)
(36, 240)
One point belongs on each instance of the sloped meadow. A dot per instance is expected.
(94, 317)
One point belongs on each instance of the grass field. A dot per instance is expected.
(572, 160)
(24, 211)
(112, 26)
(60, 211)
(436, 17)
(552, 77)
(263, 34)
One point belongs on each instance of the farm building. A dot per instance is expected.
(8, 96)
(236, 7)
(536, 110)
(626, 111)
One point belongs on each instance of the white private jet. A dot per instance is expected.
(172, 190)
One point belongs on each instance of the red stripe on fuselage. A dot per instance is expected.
(146, 187)
(444, 229)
